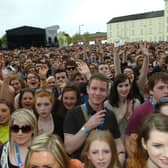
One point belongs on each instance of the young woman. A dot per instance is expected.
(121, 101)
(46, 114)
(6, 108)
(152, 144)
(17, 83)
(26, 99)
(50, 149)
(69, 99)
(23, 127)
(100, 151)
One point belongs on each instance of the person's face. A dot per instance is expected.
(70, 70)
(20, 137)
(43, 106)
(60, 78)
(27, 100)
(69, 99)
(48, 160)
(159, 90)
(16, 85)
(97, 91)
(157, 148)
(104, 69)
(51, 83)
(4, 114)
(79, 79)
(100, 154)
(123, 89)
(129, 72)
(32, 81)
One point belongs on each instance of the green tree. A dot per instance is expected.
(86, 37)
(76, 37)
(68, 38)
(4, 41)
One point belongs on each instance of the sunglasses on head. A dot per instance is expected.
(24, 129)
(43, 90)
(70, 68)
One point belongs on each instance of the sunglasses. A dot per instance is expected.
(43, 90)
(70, 68)
(24, 129)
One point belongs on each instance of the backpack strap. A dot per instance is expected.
(85, 113)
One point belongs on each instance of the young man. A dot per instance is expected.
(60, 79)
(92, 115)
(158, 88)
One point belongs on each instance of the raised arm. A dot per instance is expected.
(144, 69)
(117, 62)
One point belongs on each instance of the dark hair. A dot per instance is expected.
(155, 77)
(71, 87)
(59, 71)
(22, 93)
(98, 76)
(70, 63)
(10, 105)
(114, 97)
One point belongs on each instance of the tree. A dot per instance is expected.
(68, 37)
(76, 38)
(86, 37)
(64, 39)
(4, 41)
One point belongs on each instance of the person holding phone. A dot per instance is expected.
(81, 120)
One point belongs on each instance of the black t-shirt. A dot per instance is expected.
(75, 120)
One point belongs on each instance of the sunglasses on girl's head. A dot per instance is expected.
(43, 90)
(24, 129)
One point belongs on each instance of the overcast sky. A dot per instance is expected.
(69, 14)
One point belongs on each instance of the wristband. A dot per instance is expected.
(85, 130)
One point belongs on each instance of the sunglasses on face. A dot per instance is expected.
(24, 129)
(70, 68)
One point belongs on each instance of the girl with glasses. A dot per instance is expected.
(23, 127)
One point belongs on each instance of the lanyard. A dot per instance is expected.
(89, 115)
(18, 156)
(86, 110)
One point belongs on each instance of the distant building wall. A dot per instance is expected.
(144, 28)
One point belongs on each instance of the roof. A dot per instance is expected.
(98, 34)
(25, 30)
(146, 15)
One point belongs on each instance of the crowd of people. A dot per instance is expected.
(80, 106)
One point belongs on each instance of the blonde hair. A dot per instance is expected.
(25, 116)
(50, 143)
